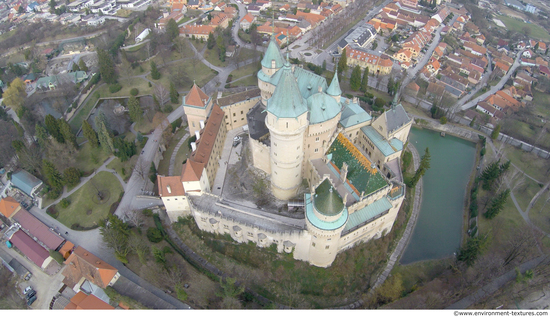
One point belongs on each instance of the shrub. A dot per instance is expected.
(57, 256)
(168, 108)
(154, 235)
(64, 203)
(147, 212)
(180, 293)
(52, 212)
(150, 85)
(443, 120)
(134, 91)
(115, 88)
(482, 153)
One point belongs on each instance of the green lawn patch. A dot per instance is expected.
(517, 25)
(76, 120)
(213, 57)
(145, 126)
(88, 158)
(541, 103)
(244, 71)
(164, 165)
(539, 212)
(526, 192)
(247, 81)
(529, 163)
(134, 48)
(127, 84)
(194, 69)
(127, 165)
(86, 208)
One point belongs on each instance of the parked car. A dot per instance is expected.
(27, 290)
(28, 276)
(31, 294)
(31, 300)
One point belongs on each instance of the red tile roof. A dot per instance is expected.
(83, 301)
(196, 97)
(8, 206)
(30, 248)
(38, 229)
(81, 263)
(208, 136)
(170, 186)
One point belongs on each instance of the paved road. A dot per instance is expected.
(495, 88)
(480, 85)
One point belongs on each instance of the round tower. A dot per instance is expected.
(326, 218)
(287, 122)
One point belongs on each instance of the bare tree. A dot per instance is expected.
(133, 217)
(142, 168)
(162, 94)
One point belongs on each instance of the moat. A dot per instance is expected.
(439, 227)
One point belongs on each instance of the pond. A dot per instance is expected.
(439, 226)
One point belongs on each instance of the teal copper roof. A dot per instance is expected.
(309, 82)
(322, 107)
(327, 201)
(273, 53)
(286, 101)
(368, 213)
(353, 114)
(334, 88)
(324, 225)
(25, 181)
(387, 148)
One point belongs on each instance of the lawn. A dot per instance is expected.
(418, 273)
(146, 126)
(541, 104)
(246, 54)
(243, 71)
(127, 84)
(213, 57)
(127, 165)
(88, 158)
(539, 213)
(524, 193)
(76, 120)
(86, 209)
(248, 81)
(134, 48)
(517, 26)
(194, 69)
(164, 165)
(529, 163)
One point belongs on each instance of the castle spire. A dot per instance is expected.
(334, 88)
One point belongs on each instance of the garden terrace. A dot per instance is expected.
(362, 174)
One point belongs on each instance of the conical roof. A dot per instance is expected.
(287, 101)
(327, 201)
(322, 107)
(334, 88)
(273, 53)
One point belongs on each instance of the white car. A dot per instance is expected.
(27, 290)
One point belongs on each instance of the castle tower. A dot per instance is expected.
(326, 218)
(197, 106)
(287, 121)
(334, 89)
(273, 61)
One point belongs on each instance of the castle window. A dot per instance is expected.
(242, 119)
(316, 150)
(326, 247)
(241, 112)
(317, 139)
(250, 234)
(313, 244)
(203, 219)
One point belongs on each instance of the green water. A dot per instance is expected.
(439, 226)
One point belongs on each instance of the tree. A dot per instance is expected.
(174, 95)
(52, 175)
(443, 120)
(496, 132)
(116, 235)
(90, 134)
(473, 122)
(424, 166)
(52, 6)
(221, 48)
(365, 80)
(82, 65)
(229, 293)
(211, 41)
(71, 176)
(52, 126)
(106, 66)
(355, 80)
(155, 74)
(172, 30)
(104, 137)
(135, 111)
(138, 245)
(15, 95)
(41, 135)
(472, 249)
(379, 104)
(391, 290)
(497, 204)
(490, 174)
(161, 94)
(66, 132)
(342, 63)
(536, 48)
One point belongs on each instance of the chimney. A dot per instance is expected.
(201, 123)
(198, 135)
(344, 172)
(169, 189)
(193, 146)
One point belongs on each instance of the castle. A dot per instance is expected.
(299, 128)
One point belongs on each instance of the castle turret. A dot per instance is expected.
(287, 121)
(271, 63)
(334, 88)
(326, 217)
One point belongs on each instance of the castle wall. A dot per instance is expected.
(235, 114)
(266, 89)
(195, 115)
(402, 133)
(216, 154)
(260, 155)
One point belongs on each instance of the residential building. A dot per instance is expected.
(82, 266)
